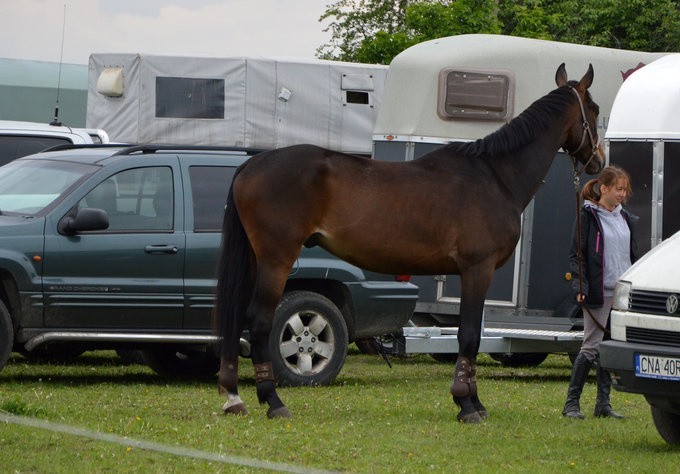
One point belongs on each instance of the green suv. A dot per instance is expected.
(115, 247)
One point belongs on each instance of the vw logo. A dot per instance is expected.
(672, 304)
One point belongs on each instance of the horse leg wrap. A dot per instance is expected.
(234, 405)
(463, 389)
(264, 378)
(462, 378)
(266, 391)
(264, 372)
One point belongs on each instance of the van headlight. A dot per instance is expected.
(621, 296)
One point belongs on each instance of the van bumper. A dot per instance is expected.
(618, 357)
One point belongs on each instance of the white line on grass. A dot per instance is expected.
(151, 446)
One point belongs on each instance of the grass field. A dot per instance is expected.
(373, 419)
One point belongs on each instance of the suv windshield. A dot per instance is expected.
(28, 187)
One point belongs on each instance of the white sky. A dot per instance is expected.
(32, 29)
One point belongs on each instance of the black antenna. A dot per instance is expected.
(56, 121)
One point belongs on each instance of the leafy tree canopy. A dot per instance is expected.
(374, 31)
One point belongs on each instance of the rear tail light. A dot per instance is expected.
(403, 278)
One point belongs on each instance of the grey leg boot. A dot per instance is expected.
(572, 407)
(603, 408)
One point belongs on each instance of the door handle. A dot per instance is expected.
(161, 249)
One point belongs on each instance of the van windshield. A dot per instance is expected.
(29, 186)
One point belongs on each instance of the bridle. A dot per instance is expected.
(587, 132)
(594, 143)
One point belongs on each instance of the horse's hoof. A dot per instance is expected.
(469, 418)
(483, 414)
(238, 409)
(281, 412)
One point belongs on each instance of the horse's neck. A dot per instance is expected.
(523, 173)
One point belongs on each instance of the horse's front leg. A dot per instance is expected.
(474, 285)
(261, 314)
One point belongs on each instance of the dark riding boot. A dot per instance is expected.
(603, 408)
(572, 407)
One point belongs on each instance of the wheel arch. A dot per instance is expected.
(9, 294)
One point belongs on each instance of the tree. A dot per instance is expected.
(356, 21)
(374, 31)
(640, 25)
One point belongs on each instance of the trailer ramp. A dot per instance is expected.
(429, 340)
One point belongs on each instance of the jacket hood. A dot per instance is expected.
(590, 204)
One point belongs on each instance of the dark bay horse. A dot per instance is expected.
(453, 211)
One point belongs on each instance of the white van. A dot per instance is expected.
(643, 354)
(19, 139)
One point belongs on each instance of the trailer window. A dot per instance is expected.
(481, 95)
(183, 97)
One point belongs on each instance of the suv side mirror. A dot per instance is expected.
(85, 219)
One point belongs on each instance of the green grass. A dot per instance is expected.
(373, 419)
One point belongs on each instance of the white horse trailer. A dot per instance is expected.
(643, 137)
(463, 88)
(240, 101)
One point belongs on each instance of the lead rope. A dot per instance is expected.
(583, 304)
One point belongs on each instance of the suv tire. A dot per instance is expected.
(667, 424)
(173, 362)
(308, 342)
(6, 335)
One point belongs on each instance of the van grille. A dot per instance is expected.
(653, 336)
(649, 302)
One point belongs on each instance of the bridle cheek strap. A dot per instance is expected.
(587, 132)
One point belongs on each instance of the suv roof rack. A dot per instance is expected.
(129, 149)
(143, 149)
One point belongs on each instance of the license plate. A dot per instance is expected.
(656, 367)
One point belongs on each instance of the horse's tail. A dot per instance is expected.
(235, 277)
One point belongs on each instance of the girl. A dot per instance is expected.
(607, 250)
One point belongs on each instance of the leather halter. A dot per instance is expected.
(587, 132)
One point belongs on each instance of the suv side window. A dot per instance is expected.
(209, 189)
(140, 199)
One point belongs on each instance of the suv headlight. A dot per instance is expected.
(621, 295)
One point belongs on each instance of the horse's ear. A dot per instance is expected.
(561, 76)
(587, 80)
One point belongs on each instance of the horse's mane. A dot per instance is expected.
(521, 130)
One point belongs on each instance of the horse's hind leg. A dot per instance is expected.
(268, 291)
(474, 284)
(228, 380)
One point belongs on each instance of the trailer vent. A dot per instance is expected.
(475, 94)
(110, 82)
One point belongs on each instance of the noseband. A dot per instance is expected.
(594, 140)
